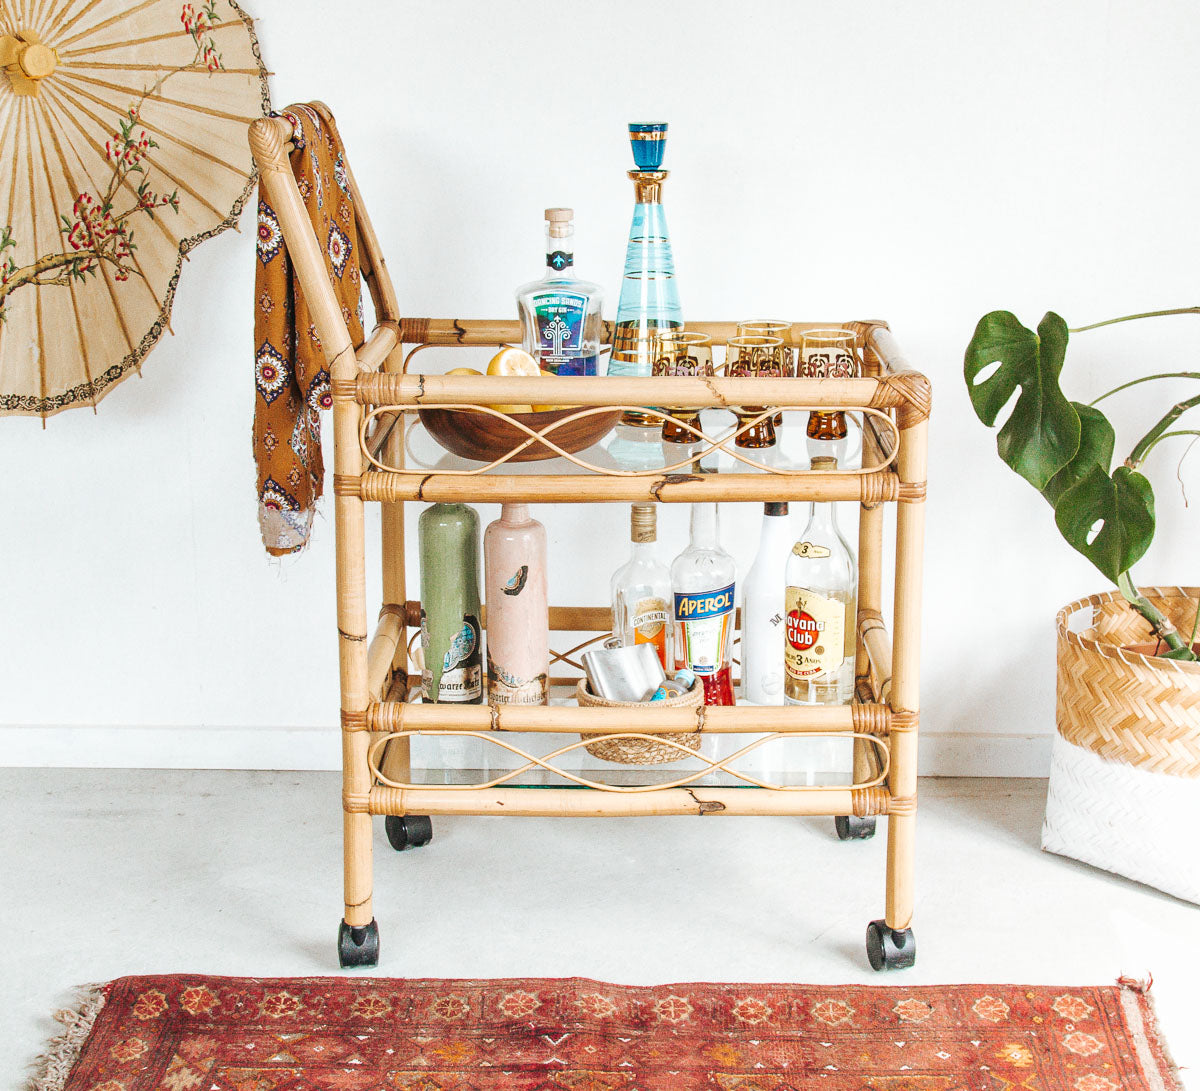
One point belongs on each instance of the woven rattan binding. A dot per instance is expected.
(1138, 709)
(642, 751)
(910, 392)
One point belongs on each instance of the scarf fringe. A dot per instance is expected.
(53, 1067)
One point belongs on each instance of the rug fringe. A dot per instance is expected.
(55, 1064)
(1140, 985)
(1142, 1015)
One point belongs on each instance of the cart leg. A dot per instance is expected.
(890, 942)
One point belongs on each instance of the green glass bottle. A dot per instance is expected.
(451, 636)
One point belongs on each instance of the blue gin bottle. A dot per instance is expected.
(649, 291)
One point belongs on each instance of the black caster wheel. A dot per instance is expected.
(358, 945)
(410, 832)
(889, 949)
(850, 828)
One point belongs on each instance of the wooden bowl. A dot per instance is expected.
(471, 434)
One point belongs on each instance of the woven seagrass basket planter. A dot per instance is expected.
(641, 751)
(1125, 771)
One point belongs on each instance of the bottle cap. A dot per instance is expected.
(775, 507)
(560, 220)
(824, 462)
(643, 523)
(649, 141)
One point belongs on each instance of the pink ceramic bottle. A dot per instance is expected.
(518, 616)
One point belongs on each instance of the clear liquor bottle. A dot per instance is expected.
(763, 609)
(704, 579)
(649, 299)
(561, 325)
(821, 598)
(642, 608)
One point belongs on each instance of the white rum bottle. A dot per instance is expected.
(561, 327)
(641, 591)
(763, 609)
(820, 600)
(703, 577)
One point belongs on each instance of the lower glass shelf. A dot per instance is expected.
(794, 761)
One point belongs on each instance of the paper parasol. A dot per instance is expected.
(122, 147)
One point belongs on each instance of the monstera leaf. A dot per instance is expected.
(1063, 448)
(1109, 519)
(1096, 442)
(1041, 435)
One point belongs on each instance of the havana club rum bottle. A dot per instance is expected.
(821, 611)
(703, 577)
(642, 608)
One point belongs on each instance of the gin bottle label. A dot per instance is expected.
(815, 634)
(559, 321)
(703, 624)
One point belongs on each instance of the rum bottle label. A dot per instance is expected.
(814, 640)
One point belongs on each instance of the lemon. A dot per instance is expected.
(549, 408)
(511, 361)
(463, 371)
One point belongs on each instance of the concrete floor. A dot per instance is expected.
(107, 873)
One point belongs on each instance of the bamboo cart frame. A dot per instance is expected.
(374, 395)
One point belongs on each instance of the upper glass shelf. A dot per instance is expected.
(641, 449)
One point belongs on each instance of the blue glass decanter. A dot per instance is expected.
(649, 292)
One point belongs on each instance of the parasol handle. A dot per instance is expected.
(26, 61)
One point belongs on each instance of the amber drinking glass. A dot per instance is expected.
(828, 354)
(750, 357)
(773, 327)
(681, 352)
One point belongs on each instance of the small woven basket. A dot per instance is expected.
(640, 751)
(1142, 710)
(1125, 766)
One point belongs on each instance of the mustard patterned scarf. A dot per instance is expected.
(291, 382)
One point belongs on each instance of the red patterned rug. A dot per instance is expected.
(182, 1033)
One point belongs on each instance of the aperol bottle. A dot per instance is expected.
(703, 578)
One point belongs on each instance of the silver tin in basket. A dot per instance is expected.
(632, 673)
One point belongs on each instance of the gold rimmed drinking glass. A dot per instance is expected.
(773, 327)
(828, 354)
(753, 356)
(681, 352)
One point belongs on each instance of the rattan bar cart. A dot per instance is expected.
(375, 404)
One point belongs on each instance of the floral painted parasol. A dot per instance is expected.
(123, 138)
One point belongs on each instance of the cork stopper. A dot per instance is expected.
(643, 523)
(559, 222)
(824, 462)
(775, 507)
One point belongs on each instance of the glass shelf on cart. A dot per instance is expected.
(631, 448)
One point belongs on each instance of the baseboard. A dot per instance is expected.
(944, 754)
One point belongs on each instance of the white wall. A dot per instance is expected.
(923, 163)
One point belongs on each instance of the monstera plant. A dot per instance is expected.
(1064, 448)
